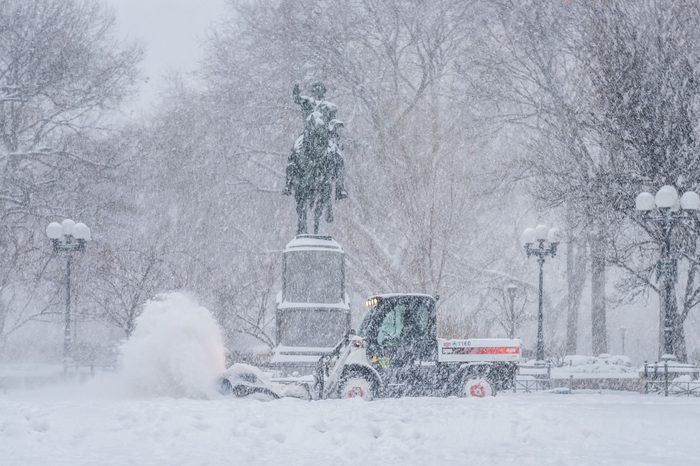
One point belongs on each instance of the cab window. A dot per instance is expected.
(421, 314)
(392, 325)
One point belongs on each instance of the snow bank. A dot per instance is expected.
(602, 360)
(176, 349)
(603, 365)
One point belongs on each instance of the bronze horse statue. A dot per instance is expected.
(315, 165)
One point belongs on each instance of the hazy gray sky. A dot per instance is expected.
(172, 31)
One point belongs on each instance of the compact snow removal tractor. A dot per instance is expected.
(397, 353)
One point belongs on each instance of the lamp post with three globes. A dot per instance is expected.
(541, 242)
(68, 238)
(664, 210)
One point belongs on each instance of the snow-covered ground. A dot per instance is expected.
(85, 425)
(159, 408)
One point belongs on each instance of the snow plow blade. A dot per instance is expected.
(243, 380)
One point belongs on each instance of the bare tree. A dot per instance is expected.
(508, 307)
(410, 127)
(215, 158)
(60, 70)
(610, 88)
(126, 276)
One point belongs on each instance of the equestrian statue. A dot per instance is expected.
(315, 168)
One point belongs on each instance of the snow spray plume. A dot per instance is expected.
(176, 349)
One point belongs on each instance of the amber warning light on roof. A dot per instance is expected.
(371, 302)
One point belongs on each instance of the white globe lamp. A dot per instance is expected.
(644, 202)
(54, 230)
(690, 201)
(67, 226)
(541, 232)
(666, 197)
(528, 236)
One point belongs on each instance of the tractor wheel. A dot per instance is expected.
(477, 387)
(356, 387)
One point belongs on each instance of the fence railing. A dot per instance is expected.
(672, 388)
(661, 377)
(533, 378)
(531, 384)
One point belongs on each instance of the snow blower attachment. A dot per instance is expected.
(243, 380)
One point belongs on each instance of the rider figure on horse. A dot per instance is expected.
(315, 165)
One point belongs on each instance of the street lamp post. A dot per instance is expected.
(664, 210)
(67, 238)
(512, 289)
(623, 331)
(541, 242)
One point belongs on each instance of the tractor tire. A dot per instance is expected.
(357, 386)
(476, 387)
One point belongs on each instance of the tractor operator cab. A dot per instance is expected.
(400, 329)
